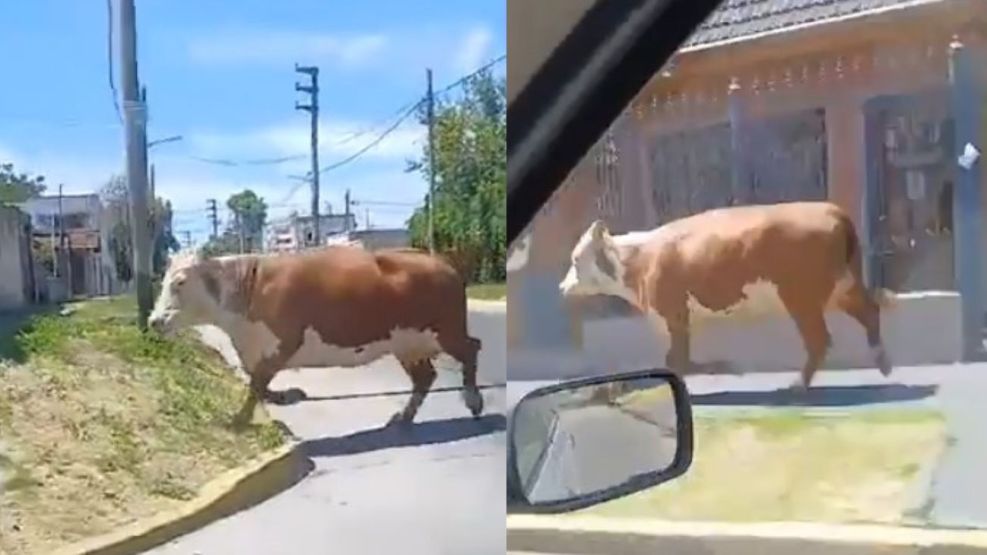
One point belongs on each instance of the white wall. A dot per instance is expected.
(13, 286)
(625, 344)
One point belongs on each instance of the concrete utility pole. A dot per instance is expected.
(60, 250)
(135, 120)
(213, 216)
(430, 100)
(312, 108)
(346, 213)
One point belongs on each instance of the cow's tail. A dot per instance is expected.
(854, 259)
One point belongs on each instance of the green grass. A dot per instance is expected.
(788, 465)
(487, 291)
(105, 424)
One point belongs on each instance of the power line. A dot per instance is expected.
(373, 143)
(254, 162)
(109, 58)
(408, 112)
(404, 113)
(469, 76)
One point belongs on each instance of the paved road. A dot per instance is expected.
(438, 488)
(596, 447)
(951, 494)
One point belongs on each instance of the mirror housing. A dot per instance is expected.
(582, 442)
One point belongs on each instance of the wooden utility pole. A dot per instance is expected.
(135, 123)
(430, 106)
(313, 109)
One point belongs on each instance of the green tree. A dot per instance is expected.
(470, 214)
(115, 195)
(18, 187)
(249, 216)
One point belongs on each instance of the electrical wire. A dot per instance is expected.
(109, 58)
(371, 144)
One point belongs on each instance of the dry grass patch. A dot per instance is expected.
(788, 466)
(101, 425)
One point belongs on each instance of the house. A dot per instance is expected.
(297, 231)
(380, 238)
(774, 100)
(73, 224)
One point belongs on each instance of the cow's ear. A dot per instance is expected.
(600, 231)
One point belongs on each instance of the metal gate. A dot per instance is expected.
(783, 158)
(910, 177)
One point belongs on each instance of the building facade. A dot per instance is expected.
(297, 231)
(772, 100)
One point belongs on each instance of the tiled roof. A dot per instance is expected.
(736, 19)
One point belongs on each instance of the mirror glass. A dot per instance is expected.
(589, 438)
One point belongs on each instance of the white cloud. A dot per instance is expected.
(78, 174)
(475, 49)
(278, 47)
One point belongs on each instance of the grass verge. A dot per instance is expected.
(101, 425)
(789, 466)
(487, 291)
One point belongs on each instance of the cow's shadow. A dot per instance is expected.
(821, 396)
(295, 395)
(430, 432)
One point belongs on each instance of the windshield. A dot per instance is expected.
(790, 215)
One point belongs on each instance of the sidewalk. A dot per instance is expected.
(579, 535)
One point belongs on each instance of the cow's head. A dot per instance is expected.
(595, 267)
(190, 294)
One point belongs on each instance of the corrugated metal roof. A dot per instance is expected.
(737, 19)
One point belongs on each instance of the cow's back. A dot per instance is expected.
(736, 259)
(355, 296)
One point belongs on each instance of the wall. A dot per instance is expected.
(15, 286)
(769, 345)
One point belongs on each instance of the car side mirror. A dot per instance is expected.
(586, 441)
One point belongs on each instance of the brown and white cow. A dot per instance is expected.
(341, 306)
(799, 258)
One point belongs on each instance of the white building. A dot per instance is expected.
(296, 231)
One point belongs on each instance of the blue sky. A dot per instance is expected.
(220, 73)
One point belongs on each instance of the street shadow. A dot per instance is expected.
(426, 433)
(15, 322)
(822, 396)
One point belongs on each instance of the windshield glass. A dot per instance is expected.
(789, 214)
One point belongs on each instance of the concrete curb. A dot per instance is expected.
(233, 491)
(482, 305)
(538, 532)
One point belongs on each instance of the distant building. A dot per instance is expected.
(74, 223)
(374, 239)
(296, 231)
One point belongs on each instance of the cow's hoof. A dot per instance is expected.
(473, 400)
(400, 419)
(240, 422)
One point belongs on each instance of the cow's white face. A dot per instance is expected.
(596, 268)
(185, 299)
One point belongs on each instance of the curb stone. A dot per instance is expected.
(233, 491)
(632, 536)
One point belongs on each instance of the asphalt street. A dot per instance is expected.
(436, 488)
(596, 447)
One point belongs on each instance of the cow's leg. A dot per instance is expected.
(261, 373)
(422, 374)
(465, 350)
(815, 336)
(679, 358)
(860, 306)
